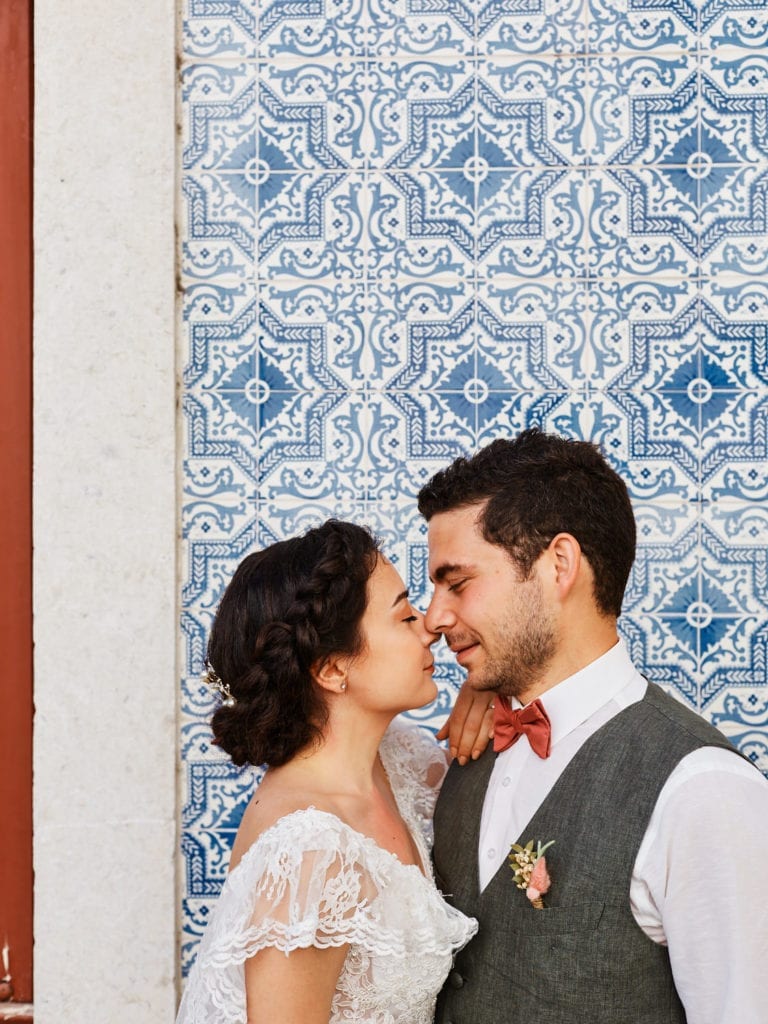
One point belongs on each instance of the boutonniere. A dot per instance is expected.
(530, 868)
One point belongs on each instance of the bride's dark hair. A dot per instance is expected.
(286, 609)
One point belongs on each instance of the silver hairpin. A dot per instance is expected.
(211, 679)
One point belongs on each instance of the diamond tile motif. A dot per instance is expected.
(411, 226)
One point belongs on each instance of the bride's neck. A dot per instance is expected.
(345, 758)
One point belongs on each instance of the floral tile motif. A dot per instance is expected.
(409, 227)
(743, 717)
(309, 30)
(691, 389)
(636, 226)
(645, 25)
(531, 223)
(219, 29)
(220, 122)
(737, 23)
(419, 224)
(532, 27)
(701, 607)
(422, 27)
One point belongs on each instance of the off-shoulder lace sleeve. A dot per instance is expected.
(311, 880)
(303, 883)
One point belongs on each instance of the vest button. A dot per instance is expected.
(455, 980)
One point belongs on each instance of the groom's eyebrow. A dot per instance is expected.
(446, 570)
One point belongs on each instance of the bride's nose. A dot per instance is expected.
(427, 636)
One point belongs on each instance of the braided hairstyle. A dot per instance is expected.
(286, 609)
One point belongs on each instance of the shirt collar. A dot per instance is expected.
(577, 698)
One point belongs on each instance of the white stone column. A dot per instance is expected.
(105, 513)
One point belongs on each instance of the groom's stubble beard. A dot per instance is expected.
(523, 645)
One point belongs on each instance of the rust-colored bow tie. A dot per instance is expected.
(509, 726)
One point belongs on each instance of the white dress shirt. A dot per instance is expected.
(700, 880)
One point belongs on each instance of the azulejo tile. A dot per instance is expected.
(690, 390)
(424, 112)
(312, 227)
(283, 514)
(531, 27)
(217, 345)
(532, 111)
(195, 914)
(315, 116)
(214, 434)
(732, 256)
(643, 25)
(737, 23)
(315, 449)
(620, 316)
(428, 427)
(217, 793)
(712, 581)
(639, 106)
(218, 231)
(218, 491)
(423, 27)
(475, 216)
(293, 329)
(219, 29)
(699, 610)
(738, 515)
(538, 333)
(306, 30)
(420, 224)
(531, 223)
(742, 716)
(741, 478)
(662, 109)
(734, 91)
(209, 566)
(525, 113)
(219, 103)
(638, 224)
(392, 332)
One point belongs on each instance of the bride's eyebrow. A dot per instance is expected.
(400, 597)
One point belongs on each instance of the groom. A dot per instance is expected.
(656, 908)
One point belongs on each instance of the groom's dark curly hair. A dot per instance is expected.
(535, 486)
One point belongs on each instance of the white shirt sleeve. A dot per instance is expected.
(700, 886)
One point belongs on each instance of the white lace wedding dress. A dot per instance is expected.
(311, 880)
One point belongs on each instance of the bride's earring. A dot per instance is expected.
(343, 686)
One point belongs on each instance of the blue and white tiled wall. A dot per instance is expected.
(411, 226)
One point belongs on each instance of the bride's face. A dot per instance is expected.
(394, 670)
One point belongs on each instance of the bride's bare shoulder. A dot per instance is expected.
(279, 795)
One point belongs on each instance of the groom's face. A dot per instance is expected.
(500, 625)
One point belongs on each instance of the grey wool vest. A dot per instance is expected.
(582, 959)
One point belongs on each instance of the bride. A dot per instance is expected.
(329, 912)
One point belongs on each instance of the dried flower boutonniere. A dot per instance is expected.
(530, 868)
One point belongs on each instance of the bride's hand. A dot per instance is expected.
(469, 727)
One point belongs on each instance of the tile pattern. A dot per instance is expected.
(410, 226)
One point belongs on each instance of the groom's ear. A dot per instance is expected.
(566, 561)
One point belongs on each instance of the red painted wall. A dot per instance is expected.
(15, 493)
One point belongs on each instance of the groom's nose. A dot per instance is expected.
(438, 617)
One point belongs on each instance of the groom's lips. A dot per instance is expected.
(463, 651)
